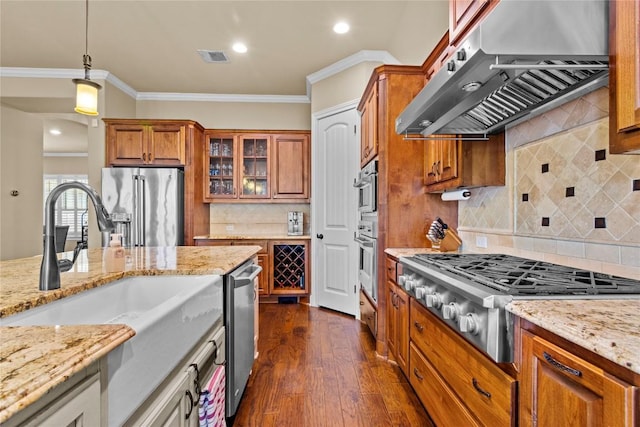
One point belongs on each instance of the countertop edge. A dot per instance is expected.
(81, 360)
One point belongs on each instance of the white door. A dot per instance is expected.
(336, 151)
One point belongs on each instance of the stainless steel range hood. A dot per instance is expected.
(525, 58)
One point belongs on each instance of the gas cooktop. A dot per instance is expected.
(517, 276)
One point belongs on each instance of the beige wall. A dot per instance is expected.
(65, 165)
(343, 87)
(231, 115)
(566, 139)
(21, 170)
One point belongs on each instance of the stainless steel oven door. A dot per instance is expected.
(367, 266)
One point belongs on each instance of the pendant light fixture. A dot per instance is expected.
(86, 90)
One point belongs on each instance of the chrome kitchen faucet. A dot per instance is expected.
(51, 267)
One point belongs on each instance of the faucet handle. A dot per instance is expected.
(65, 264)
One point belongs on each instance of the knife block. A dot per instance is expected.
(450, 243)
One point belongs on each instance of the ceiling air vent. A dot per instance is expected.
(217, 56)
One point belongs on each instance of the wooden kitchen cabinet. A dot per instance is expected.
(462, 15)
(461, 375)
(369, 127)
(146, 143)
(291, 166)
(451, 164)
(263, 257)
(397, 318)
(289, 267)
(560, 388)
(400, 175)
(257, 166)
(624, 77)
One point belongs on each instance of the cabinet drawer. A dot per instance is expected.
(391, 269)
(485, 389)
(442, 404)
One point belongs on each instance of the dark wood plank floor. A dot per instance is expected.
(319, 368)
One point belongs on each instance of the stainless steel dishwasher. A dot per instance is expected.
(239, 316)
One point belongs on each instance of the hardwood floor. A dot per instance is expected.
(319, 368)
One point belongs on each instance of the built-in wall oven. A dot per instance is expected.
(367, 185)
(366, 237)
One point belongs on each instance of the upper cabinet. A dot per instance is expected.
(248, 167)
(369, 126)
(450, 164)
(290, 159)
(150, 143)
(464, 15)
(624, 78)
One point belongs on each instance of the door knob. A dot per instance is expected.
(320, 236)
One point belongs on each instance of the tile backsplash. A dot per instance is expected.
(254, 219)
(566, 199)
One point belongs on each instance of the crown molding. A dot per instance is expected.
(381, 56)
(221, 97)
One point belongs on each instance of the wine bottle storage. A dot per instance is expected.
(289, 268)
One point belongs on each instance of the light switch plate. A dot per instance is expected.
(481, 241)
(229, 227)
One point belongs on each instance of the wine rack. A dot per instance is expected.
(289, 269)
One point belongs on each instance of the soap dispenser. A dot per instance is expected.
(114, 259)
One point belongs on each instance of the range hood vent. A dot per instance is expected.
(525, 58)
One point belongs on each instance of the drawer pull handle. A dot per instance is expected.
(417, 374)
(560, 366)
(418, 326)
(481, 391)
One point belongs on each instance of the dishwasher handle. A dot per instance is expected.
(246, 276)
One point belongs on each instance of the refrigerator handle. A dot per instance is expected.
(143, 213)
(134, 220)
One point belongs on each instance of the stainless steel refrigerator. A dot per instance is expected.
(146, 205)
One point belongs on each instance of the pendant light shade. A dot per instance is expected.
(86, 97)
(86, 90)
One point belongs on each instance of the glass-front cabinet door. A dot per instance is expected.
(255, 172)
(221, 167)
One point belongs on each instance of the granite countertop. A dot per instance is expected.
(609, 328)
(253, 237)
(30, 365)
(398, 252)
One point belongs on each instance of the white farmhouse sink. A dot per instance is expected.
(170, 314)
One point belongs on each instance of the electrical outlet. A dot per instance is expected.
(481, 241)
(229, 227)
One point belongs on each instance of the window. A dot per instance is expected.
(71, 207)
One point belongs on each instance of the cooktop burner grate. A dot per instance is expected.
(520, 276)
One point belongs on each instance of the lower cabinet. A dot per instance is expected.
(175, 402)
(368, 313)
(454, 380)
(289, 267)
(398, 325)
(79, 406)
(285, 264)
(560, 388)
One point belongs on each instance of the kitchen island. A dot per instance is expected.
(36, 359)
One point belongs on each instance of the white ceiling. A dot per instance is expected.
(151, 45)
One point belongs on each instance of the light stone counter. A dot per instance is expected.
(34, 359)
(609, 328)
(398, 252)
(252, 237)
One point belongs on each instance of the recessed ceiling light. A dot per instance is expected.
(341, 27)
(55, 131)
(240, 47)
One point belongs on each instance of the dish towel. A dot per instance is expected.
(211, 408)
